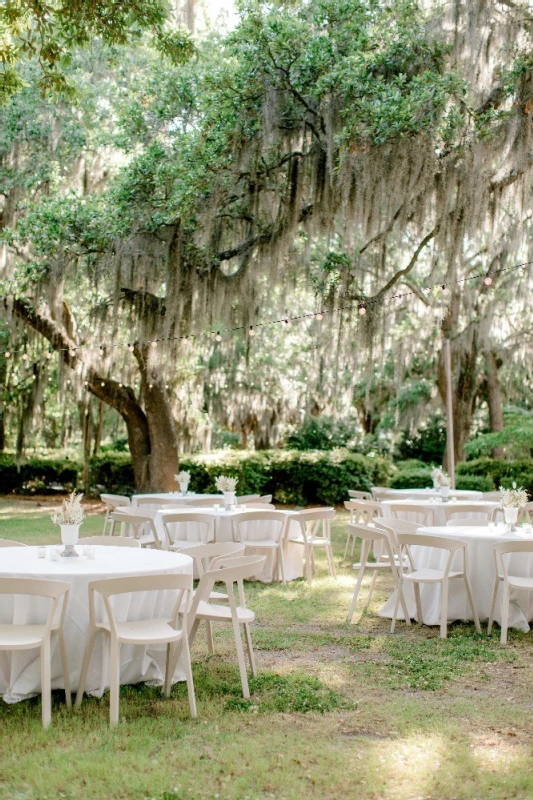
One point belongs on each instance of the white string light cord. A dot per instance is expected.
(363, 306)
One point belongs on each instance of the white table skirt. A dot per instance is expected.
(191, 532)
(481, 571)
(420, 494)
(438, 509)
(180, 498)
(20, 675)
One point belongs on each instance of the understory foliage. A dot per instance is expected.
(320, 155)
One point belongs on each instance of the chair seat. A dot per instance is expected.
(179, 544)
(223, 613)
(21, 637)
(143, 631)
(314, 541)
(373, 565)
(427, 575)
(261, 543)
(518, 582)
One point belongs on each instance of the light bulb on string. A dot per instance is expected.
(251, 332)
(319, 316)
(362, 310)
(444, 289)
(287, 321)
(487, 280)
(218, 336)
(130, 347)
(48, 355)
(7, 354)
(154, 343)
(25, 356)
(150, 385)
(102, 384)
(120, 386)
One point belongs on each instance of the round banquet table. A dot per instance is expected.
(438, 508)
(418, 494)
(177, 496)
(480, 543)
(20, 671)
(257, 529)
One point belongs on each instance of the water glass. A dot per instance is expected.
(54, 554)
(41, 552)
(92, 552)
(243, 506)
(216, 507)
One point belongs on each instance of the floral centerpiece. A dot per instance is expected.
(440, 478)
(227, 486)
(69, 518)
(183, 479)
(511, 501)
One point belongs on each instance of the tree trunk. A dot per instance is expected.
(494, 399)
(464, 395)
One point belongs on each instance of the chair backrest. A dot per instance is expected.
(276, 527)
(265, 498)
(524, 513)
(382, 492)
(264, 506)
(464, 522)
(382, 540)
(362, 511)
(155, 501)
(40, 587)
(115, 500)
(405, 540)
(355, 494)
(110, 541)
(423, 514)
(205, 532)
(397, 525)
(315, 523)
(493, 497)
(206, 555)
(108, 587)
(248, 498)
(207, 501)
(474, 510)
(502, 549)
(138, 522)
(10, 543)
(229, 571)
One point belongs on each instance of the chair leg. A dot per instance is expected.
(364, 555)
(331, 561)
(493, 606)
(209, 633)
(188, 675)
(444, 610)
(250, 649)
(167, 686)
(399, 598)
(348, 541)
(312, 560)
(371, 590)
(281, 561)
(85, 667)
(505, 612)
(240, 658)
(46, 683)
(472, 603)
(64, 667)
(418, 604)
(307, 563)
(114, 680)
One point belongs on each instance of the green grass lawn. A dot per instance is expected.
(337, 711)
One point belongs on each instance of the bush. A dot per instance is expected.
(112, 471)
(501, 473)
(412, 479)
(474, 483)
(322, 433)
(427, 444)
(37, 475)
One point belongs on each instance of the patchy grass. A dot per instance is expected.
(336, 710)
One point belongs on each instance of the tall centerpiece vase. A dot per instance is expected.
(184, 485)
(69, 536)
(510, 514)
(444, 492)
(229, 499)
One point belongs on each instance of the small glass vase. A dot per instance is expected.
(183, 487)
(510, 515)
(69, 536)
(444, 492)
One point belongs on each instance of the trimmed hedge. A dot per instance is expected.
(113, 471)
(412, 478)
(37, 475)
(500, 473)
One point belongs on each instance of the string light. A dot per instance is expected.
(319, 316)
(287, 321)
(102, 384)
(362, 310)
(487, 280)
(153, 344)
(7, 354)
(150, 385)
(444, 289)
(218, 336)
(251, 332)
(25, 356)
(130, 348)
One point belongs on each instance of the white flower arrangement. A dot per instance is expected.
(516, 497)
(445, 481)
(439, 477)
(183, 476)
(226, 484)
(71, 512)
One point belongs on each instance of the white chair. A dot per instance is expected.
(397, 525)
(315, 531)
(501, 550)
(382, 493)
(475, 511)
(265, 498)
(37, 636)
(493, 497)
(362, 512)
(207, 501)
(357, 495)
(110, 541)
(273, 526)
(264, 506)
(524, 514)
(248, 498)
(465, 522)
(156, 502)
(140, 632)
(112, 502)
(423, 514)
(374, 538)
(430, 575)
(10, 543)
(229, 571)
(204, 528)
(140, 523)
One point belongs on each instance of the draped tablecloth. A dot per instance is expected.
(480, 566)
(437, 507)
(177, 496)
(420, 494)
(257, 529)
(20, 676)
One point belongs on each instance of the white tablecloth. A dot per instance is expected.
(438, 509)
(292, 553)
(177, 496)
(480, 564)
(462, 494)
(20, 672)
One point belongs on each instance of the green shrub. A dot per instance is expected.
(322, 433)
(112, 471)
(502, 473)
(477, 483)
(412, 479)
(426, 445)
(37, 475)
